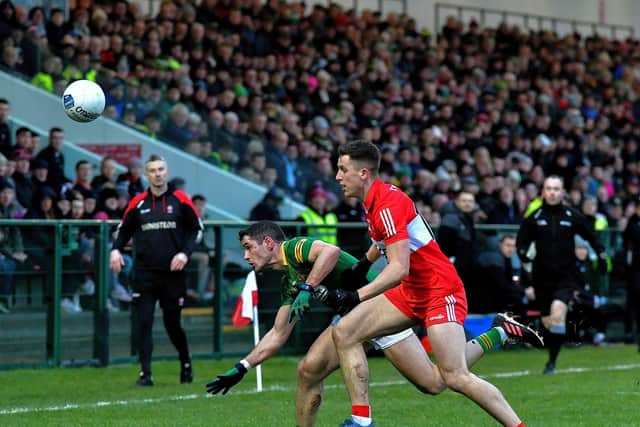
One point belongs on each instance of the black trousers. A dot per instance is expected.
(633, 303)
(167, 287)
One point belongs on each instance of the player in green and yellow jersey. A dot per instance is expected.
(308, 264)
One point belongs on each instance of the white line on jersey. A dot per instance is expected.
(288, 389)
(387, 219)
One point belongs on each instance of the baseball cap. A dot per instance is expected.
(318, 192)
(37, 163)
(21, 154)
(4, 184)
(320, 123)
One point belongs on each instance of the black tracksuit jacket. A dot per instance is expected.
(553, 229)
(161, 226)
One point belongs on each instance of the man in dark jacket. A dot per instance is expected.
(6, 145)
(553, 227)
(457, 235)
(165, 226)
(352, 240)
(632, 246)
(267, 208)
(52, 154)
(499, 288)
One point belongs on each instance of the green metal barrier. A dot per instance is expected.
(38, 333)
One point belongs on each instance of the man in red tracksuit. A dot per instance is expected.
(165, 226)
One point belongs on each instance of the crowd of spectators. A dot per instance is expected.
(269, 89)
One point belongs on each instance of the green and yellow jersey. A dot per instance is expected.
(295, 255)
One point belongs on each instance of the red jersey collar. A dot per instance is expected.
(372, 194)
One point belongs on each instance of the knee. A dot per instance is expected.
(556, 319)
(432, 388)
(341, 336)
(145, 322)
(309, 372)
(457, 380)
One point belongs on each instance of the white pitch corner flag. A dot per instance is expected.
(246, 311)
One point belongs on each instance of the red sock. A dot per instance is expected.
(521, 425)
(361, 411)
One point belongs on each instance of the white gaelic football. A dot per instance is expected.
(83, 101)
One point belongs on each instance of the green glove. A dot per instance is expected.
(227, 380)
(301, 304)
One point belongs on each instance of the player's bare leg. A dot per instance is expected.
(411, 360)
(320, 361)
(448, 343)
(557, 314)
(371, 318)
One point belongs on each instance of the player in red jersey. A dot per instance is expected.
(419, 286)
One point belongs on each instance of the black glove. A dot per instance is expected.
(356, 276)
(342, 301)
(227, 380)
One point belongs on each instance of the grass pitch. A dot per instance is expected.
(593, 387)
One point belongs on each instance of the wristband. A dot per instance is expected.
(365, 261)
(305, 287)
(245, 364)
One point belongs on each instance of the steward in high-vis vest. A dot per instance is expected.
(80, 69)
(321, 223)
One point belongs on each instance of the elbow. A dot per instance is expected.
(334, 252)
(402, 270)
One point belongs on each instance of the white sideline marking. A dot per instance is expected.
(69, 406)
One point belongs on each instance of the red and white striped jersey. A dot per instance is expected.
(392, 216)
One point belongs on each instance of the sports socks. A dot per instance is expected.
(555, 338)
(491, 338)
(361, 414)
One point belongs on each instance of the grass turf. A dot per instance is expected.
(594, 387)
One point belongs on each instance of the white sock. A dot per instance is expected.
(503, 334)
(365, 421)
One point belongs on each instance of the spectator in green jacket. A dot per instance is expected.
(51, 72)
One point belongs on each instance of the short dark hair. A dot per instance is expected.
(198, 198)
(507, 236)
(80, 163)
(54, 130)
(261, 229)
(364, 152)
(155, 158)
(4, 101)
(22, 129)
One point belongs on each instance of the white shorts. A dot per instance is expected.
(386, 341)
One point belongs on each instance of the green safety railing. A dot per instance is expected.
(209, 321)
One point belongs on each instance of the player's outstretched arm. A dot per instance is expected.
(267, 347)
(225, 381)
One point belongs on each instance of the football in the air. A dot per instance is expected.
(83, 101)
